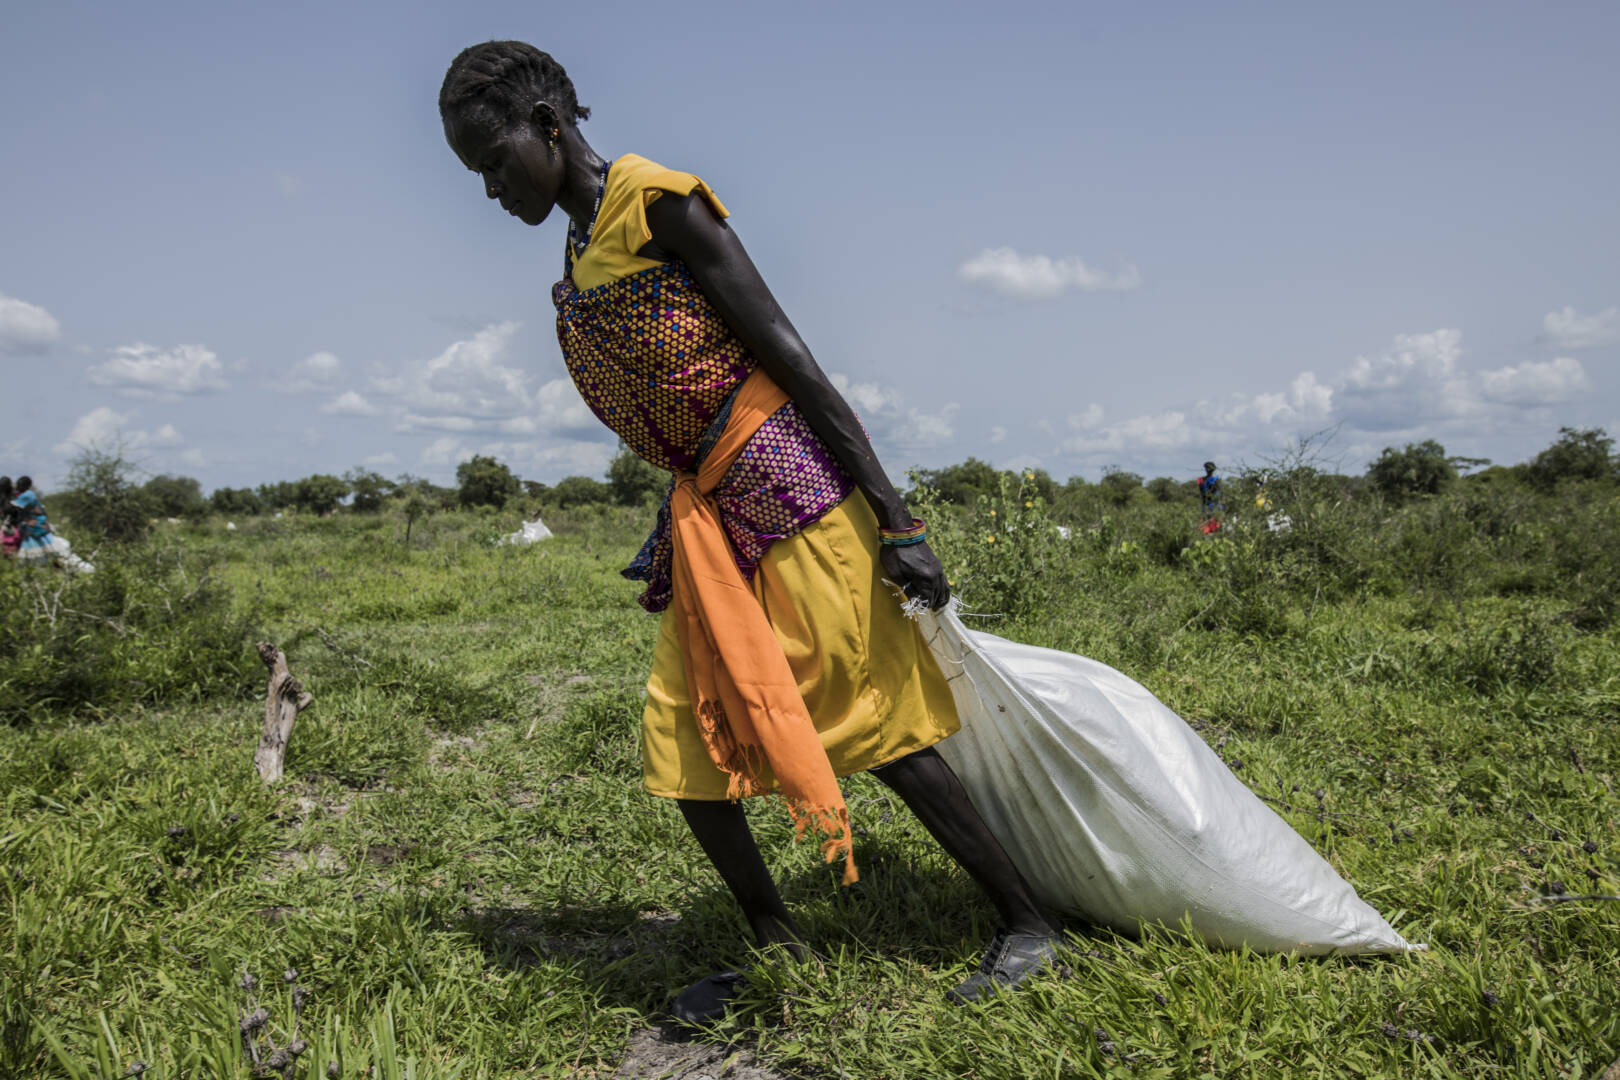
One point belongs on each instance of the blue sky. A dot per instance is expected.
(1065, 235)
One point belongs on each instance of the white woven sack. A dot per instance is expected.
(1115, 810)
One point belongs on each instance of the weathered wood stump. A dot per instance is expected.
(282, 704)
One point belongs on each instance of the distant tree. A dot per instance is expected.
(369, 488)
(961, 484)
(442, 498)
(319, 494)
(1578, 454)
(634, 479)
(580, 491)
(102, 497)
(534, 489)
(281, 495)
(175, 496)
(1415, 469)
(417, 506)
(1166, 489)
(241, 502)
(1120, 486)
(483, 481)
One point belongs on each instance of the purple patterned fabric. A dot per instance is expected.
(658, 365)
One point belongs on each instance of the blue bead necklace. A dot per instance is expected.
(574, 241)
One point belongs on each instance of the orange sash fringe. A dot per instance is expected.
(744, 695)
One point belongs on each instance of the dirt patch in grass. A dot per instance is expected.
(320, 858)
(655, 1053)
(566, 934)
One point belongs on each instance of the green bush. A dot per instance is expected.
(635, 480)
(175, 497)
(1578, 454)
(370, 489)
(319, 494)
(1415, 469)
(235, 502)
(148, 626)
(483, 481)
(574, 491)
(102, 500)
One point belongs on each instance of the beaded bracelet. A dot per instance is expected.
(916, 534)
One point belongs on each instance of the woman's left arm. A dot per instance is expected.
(685, 228)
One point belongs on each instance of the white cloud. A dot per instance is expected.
(1418, 388)
(891, 423)
(25, 327)
(1533, 383)
(107, 428)
(559, 408)
(1417, 380)
(194, 458)
(997, 434)
(166, 435)
(527, 458)
(147, 371)
(316, 373)
(350, 403)
(320, 367)
(1089, 420)
(1152, 432)
(288, 184)
(1568, 329)
(469, 379)
(377, 461)
(445, 450)
(1042, 276)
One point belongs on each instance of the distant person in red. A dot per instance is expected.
(1209, 490)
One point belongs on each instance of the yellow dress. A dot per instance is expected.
(868, 680)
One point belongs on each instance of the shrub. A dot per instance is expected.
(1584, 454)
(1166, 489)
(483, 481)
(1416, 469)
(236, 502)
(959, 485)
(102, 498)
(1120, 487)
(175, 497)
(1003, 554)
(635, 480)
(145, 627)
(319, 494)
(369, 488)
(579, 491)
(281, 495)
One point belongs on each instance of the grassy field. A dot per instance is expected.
(462, 878)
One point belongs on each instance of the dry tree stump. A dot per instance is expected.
(283, 701)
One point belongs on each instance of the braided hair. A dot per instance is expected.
(497, 82)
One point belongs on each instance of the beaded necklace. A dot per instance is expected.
(574, 241)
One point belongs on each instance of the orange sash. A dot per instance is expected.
(744, 695)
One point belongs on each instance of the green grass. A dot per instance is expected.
(464, 872)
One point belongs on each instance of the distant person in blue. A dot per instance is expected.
(38, 541)
(1209, 489)
(32, 523)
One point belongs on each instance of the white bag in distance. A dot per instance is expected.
(1115, 810)
(531, 532)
